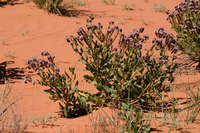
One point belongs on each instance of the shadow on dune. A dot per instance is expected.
(10, 74)
(9, 2)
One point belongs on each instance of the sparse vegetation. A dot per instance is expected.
(4, 42)
(132, 76)
(44, 121)
(72, 3)
(185, 21)
(53, 6)
(160, 8)
(109, 2)
(127, 6)
(10, 54)
(10, 120)
(137, 82)
(104, 122)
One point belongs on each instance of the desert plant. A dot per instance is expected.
(104, 122)
(62, 86)
(53, 6)
(72, 3)
(127, 6)
(193, 107)
(4, 42)
(120, 71)
(134, 119)
(44, 121)
(109, 2)
(10, 120)
(185, 21)
(159, 7)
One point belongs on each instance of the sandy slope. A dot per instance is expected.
(25, 31)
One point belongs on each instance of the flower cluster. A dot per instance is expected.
(185, 19)
(189, 5)
(93, 32)
(28, 78)
(39, 65)
(183, 15)
(134, 39)
(165, 40)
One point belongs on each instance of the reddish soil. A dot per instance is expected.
(25, 31)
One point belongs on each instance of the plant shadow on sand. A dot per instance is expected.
(10, 73)
(10, 2)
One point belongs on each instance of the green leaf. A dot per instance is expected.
(72, 69)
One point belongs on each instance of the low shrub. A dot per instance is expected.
(53, 6)
(121, 71)
(185, 20)
(109, 2)
(63, 87)
(10, 120)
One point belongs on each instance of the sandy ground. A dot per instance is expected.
(25, 31)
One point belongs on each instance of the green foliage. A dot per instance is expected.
(135, 120)
(124, 74)
(185, 20)
(109, 2)
(72, 104)
(193, 109)
(10, 120)
(104, 122)
(72, 3)
(52, 6)
(159, 7)
(44, 121)
(127, 6)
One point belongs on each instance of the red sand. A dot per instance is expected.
(25, 31)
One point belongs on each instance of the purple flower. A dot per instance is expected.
(146, 37)
(111, 23)
(138, 44)
(166, 69)
(57, 70)
(44, 53)
(91, 17)
(141, 30)
(67, 39)
(109, 30)
(110, 62)
(153, 40)
(163, 61)
(116, 27)
(80, 37)
(174, 57)
(27, 78)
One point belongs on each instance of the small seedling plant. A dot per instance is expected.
(109, 2)
(53, 6)
(44, 121)
(116, 65)
(185, 20)
(128, 7)
(160, 7)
